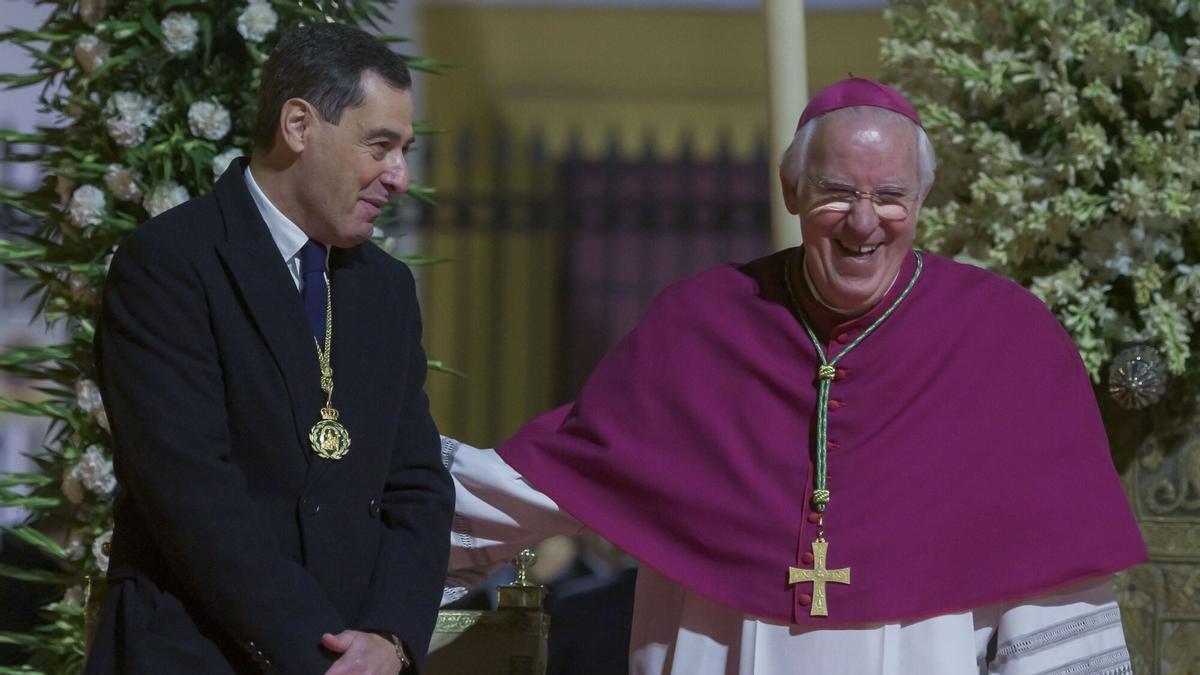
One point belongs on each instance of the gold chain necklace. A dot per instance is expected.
(328, 437)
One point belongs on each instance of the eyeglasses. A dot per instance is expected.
(890, 203)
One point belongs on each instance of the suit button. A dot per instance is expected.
(311, 507)
(265, 664)
(373, 508)
(250, 646)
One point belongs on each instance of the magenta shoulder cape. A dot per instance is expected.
(968, 464)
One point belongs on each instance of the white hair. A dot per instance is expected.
(795, 160)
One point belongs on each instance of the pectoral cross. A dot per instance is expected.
(819, 576)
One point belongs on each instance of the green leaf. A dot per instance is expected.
(152, 27)
(439, 366)
(11, 251)
(421, 260)
(14, 136)
(422, 193)
(12, 500)
(8, 480)
(35, 575)
(420, 127)
(38, 540)
(30, 409)
(17, 81)
(31, 355)
(26, 639)
(427, 65)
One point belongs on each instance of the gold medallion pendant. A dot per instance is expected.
(328, 437)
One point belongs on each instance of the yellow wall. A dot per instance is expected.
(628, 72)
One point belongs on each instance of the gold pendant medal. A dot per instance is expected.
(328, 437)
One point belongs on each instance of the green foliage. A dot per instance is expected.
(1067, 132)
(151, 99)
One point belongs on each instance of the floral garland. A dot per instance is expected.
(153, 99)
(1067, 133)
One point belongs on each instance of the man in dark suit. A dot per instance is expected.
(250, 535)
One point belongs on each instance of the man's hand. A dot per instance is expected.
(361, 654)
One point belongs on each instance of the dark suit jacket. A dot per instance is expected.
(235, 547)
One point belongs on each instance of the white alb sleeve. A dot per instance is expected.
(1076, 632)
(496, 515)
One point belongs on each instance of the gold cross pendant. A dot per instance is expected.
(819, 576)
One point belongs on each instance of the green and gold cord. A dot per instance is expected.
(828, 370)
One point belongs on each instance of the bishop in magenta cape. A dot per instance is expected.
(968, 464)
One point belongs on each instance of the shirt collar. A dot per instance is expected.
(288, 236)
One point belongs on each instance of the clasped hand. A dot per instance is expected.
(361, 654)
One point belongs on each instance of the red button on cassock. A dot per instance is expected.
(807, 558)
(843, 338)
(834, 404)
(814, 517)
(805, 599)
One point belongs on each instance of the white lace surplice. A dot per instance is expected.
(677, 631)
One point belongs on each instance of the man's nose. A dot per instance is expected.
(862, 217)
(395, 179)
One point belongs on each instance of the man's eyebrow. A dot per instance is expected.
(384, 132)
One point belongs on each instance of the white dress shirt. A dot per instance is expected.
(288, 236)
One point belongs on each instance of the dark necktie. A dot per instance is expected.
(313, 291)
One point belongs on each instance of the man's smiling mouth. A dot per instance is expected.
(858, 251)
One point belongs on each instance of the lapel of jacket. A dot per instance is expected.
(266, 286)
(356, 352)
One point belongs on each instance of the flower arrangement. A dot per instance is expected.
(1067, 134)
(153, 100)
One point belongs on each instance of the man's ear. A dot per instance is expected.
(790, 199)
(296, 119)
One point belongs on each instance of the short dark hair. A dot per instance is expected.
(322, 64)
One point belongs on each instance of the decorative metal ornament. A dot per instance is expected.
(328, 437)
(1137, 378)
(818, 576)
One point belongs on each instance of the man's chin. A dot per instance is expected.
(358, 235)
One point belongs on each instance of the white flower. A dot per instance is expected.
(179, 32)
(87, 396)
(76, 544)
(129, 115)
(81, 288)
(100, 550)
(74, 596)
(87, 205)
(72, 486)
(257, 21)
(90, 52)
(165, 196)
(96, 472)
(122, 183)
(102, 419)
(222, 161)
(125, 133)
(208, 120)
(91, 11)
